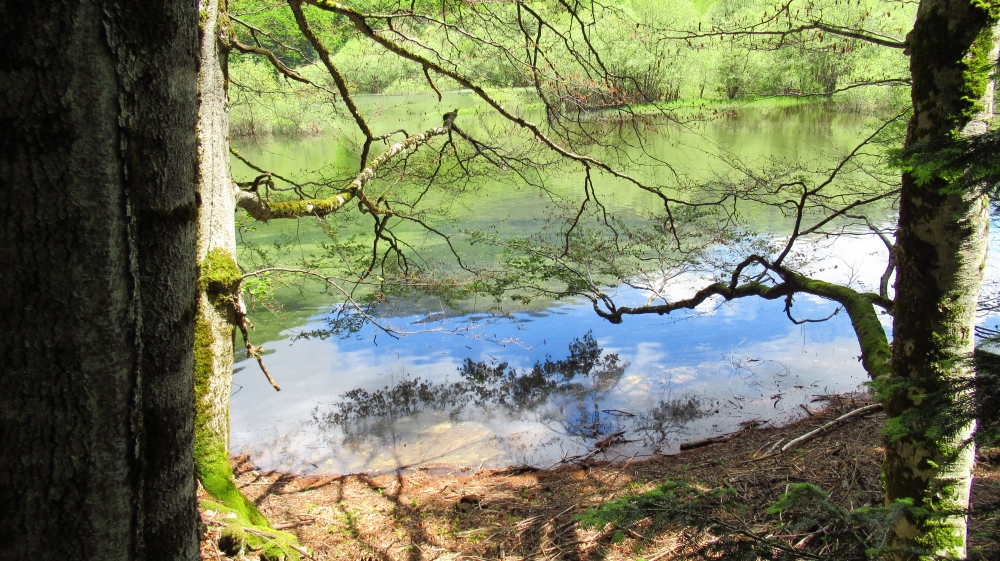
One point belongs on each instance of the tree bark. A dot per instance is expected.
(219, 288)
(97, 173)
(220, 305)
(941, 253)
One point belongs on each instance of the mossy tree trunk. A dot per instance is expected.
(941, 253)
(220, 302)
(219, 286)
(97, 241)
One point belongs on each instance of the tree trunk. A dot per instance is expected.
(97, 173)
(941, 252)
(219, 288)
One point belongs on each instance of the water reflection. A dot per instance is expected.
(564, 395)
(438, 400)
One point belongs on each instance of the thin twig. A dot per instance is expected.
(253, 351)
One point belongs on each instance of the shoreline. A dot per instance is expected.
(527, 512)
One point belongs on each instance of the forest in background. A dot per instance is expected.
(648, 65)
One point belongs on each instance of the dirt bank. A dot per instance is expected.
(525, 513)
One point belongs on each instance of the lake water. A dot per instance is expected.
(732, 363)
(553, 382)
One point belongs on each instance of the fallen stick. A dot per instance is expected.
(831, 424)
(301, 550)
(703, 442)
(289, 525)
(261, 533)
(775, 445)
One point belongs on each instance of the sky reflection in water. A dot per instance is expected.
(376, 404)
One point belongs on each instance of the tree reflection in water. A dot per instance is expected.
(563, 395)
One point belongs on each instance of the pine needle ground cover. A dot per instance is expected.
(526, 513)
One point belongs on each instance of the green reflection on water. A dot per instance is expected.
(505, 206)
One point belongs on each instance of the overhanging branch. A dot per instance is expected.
(860, 35)
(270, 56)
(360, 22)
(264, 210)
(860, 306)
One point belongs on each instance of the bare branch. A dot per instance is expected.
(788, 312)
(756, 31)
(338, 78)
(860, 307)
(361, 24)
(254, 29)
(243, 322)
(265, 210)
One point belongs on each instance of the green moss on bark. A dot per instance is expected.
(949, 49)
(220, 277)
(232, 540)
(211, 455)
(219, 273)
(976, 74)
(203, 358)
(314, 207)
(258, 537)
(875, 351)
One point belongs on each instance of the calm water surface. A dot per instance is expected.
(372, 403)
(554, 383)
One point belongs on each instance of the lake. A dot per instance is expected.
(550, 382)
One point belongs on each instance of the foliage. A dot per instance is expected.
(263, 102)
(965, 162)
(946, 410)
(273, 27)
(371, 69)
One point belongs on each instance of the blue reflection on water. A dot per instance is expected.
(738, 361)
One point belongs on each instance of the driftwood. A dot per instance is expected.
(703, 442)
